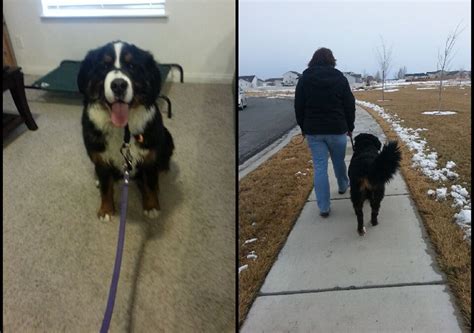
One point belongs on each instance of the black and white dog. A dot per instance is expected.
(369, 171)
(120, 84)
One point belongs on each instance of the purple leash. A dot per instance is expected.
(121, 236)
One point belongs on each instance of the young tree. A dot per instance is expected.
(384, 58)
(445, 57)
(377, 76)
(402, 72)
(461, 75)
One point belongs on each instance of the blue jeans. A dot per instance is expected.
(320, 145)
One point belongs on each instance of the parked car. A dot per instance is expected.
(242, 100)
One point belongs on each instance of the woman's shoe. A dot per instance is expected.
(324, 214)
(342, 192)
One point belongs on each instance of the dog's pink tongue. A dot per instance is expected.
(119, 114)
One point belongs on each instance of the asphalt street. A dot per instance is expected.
(263, 121)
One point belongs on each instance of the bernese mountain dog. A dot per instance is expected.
(121, 83)
(369, 171)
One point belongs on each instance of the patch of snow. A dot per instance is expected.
(450, 165)
(439, 113)
(300, 173)
(243, 268)
(460, 196)
(252, 256)
(464, 216)
(441, 193)
(248, 241)
(391, 90)
(426, 88)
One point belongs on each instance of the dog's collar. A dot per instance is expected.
(139, 138)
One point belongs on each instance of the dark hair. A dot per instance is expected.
(322, 56)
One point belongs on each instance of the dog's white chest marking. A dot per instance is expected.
(137, 120)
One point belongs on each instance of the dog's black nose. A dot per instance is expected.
(119, 86)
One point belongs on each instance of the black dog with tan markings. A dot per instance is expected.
(369, 171)
(120, 84)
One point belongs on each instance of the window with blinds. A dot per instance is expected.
(103, 8)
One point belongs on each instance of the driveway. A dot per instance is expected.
(262, 122)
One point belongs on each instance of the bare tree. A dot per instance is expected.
(461, 75)
(384, 58)
(377, 76)
(402, 72)
(445, 57)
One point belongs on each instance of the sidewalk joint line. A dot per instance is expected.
(382, 286)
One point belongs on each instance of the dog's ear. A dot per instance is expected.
(85, 71)
(153, 76)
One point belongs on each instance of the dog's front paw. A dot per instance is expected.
(361, 231)
(151, 213)
(105, 214)
(374, 222)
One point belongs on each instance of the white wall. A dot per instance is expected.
(197, 34)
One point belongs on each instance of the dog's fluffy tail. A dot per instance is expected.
(386, 164)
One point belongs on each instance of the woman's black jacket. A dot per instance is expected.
(324, 103)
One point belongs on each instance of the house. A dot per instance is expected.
(353, 78)
(452, 75)
(358, 77)
(249, 81)
(433, 75)
(290, 78)
(416, 76)
(277, 81)
(350, 78)
(370, 80)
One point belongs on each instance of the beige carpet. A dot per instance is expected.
(178, 273)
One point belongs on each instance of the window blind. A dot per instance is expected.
(102, 8)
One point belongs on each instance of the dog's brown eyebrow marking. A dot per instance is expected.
(108, 58)
(127, 57)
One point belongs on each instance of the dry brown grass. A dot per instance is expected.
(270, 200)
(450, 136)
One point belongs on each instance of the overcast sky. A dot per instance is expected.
(278, 36)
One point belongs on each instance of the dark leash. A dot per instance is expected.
(127, 167)
(352, 142)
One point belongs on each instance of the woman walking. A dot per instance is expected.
(325, 112)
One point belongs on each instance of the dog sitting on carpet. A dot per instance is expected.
(369, 171)
(120, 84)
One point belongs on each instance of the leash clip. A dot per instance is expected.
(125, 151)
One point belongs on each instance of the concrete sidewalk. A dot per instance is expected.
(329, 279)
